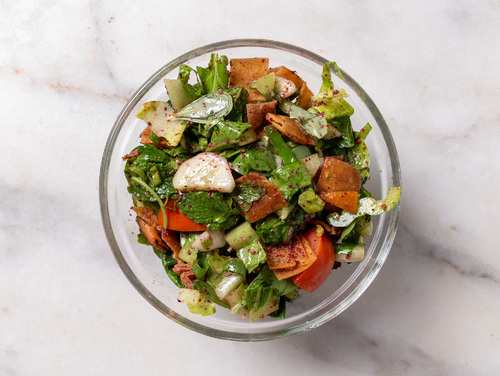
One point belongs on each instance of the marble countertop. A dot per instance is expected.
(68, 67)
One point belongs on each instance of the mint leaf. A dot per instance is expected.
(246, 194)
(213, 209)
(256, 157)
(206, 109)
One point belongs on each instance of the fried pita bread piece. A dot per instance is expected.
(256, 112)
(289, 128)
(289, 260)
(305, 95)
(339, 184)
(244, 71)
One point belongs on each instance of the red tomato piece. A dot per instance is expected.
(311, 278)
(177, 221)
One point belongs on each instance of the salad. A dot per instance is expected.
(250, 187)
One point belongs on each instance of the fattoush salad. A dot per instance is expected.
(249, 186)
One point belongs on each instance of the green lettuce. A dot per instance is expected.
(216, 75)
(252, 255)
(289, 178)
(314, 124)
(330, 101)
(226, 134)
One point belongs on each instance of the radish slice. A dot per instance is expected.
(204, 172)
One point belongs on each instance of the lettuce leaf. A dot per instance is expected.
(314, 124)
(252, 255)
(216, 76)
(329, 100)
(290, 178)
(226, 134)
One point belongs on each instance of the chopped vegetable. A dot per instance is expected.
(204, 172)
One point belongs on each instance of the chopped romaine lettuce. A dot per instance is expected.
(252, 255)
(216, 76)
(310, 202)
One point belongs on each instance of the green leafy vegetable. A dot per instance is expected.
(314, 124)
(330, 101)
(208, 108)
(208, 292)
(246, 194)
(226, 134)
(358, 155)
(216, 76)
(209, 208)
(239, 111)
(275, 231)
(252, 255)
(310, 202)
(256, 157)
(262, 295)
(290, 178)
(168, 263)
(279, 144)
(155, 169)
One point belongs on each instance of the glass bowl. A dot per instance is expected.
(145, 271)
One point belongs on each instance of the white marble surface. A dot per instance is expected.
(67, 69)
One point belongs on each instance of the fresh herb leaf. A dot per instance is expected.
(246, 194)
(155, 169)
(239, 111)
(256, 157)
(208, 108)
(213, 209)
(275, 231)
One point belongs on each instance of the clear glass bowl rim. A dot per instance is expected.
(361, 285)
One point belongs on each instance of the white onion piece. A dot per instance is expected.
(204, 172)
(209, 240)
(284, 87)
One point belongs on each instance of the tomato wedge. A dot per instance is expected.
(177, 221)
(311, 278)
